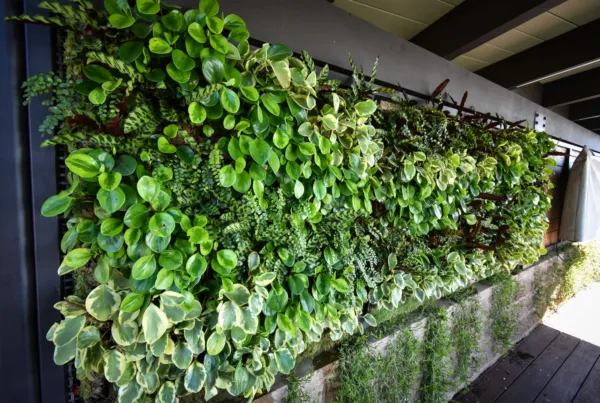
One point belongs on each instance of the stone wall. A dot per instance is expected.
(316, 373)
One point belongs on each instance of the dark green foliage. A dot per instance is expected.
(237, 197)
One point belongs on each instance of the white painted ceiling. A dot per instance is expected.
(406, 18)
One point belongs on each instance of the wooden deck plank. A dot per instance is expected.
(493, 382)
(537, 375)
(564, 385)
(590, 390)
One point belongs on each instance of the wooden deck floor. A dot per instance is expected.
(546, 367)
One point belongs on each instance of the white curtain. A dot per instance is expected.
(580, 220)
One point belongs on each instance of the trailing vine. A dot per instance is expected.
(399, 368)
(437, 347)
(580, 267)
(503, 314)
(230, 206)
(466, 335)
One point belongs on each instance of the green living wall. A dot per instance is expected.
(230, 206)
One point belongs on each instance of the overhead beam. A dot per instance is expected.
(576, 88)
(474, 22)
(574, 48)
(585, 110)
(590, 124)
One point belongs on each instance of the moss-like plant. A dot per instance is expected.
(399, 368)
(437, 346)
(580, 267)
(503, 315)
(233, 204)
(466, 335)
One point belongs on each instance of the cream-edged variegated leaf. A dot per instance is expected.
(195, 337)
(64, 354)
(114, 365)
(159, 346)
(229, 315)
(130, 392)
(195, 376)
(166, 393)
(128, 374)
(124, 334)
(88, 336)
(102, 302)
(182, 355)
(68, 330)
(249, 321)
(154, 323)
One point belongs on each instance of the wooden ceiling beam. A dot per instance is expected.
(592, 124)
(475, 22)
(574, 48)
(585, 110)
(569, 90)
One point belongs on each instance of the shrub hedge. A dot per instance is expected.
(233, 203)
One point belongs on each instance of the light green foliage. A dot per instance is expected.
(503, 315)
(580, 267)
(235, 207)
(466, 336)
(399, 368)
(357, 373)
(437, 347)
(295, 391)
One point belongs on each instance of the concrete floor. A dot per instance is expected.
(579, 317)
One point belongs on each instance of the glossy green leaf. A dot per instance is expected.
(196, 265)
(197, 32)
(159, 46)
(278, 52)
(148, 188)
(129, 51)
(82, 165)
(182, 61)
(111, 200)
(121, 21)
(148, 6)
(56, 205)
(144, 267)
(109, 180)
(259, 151)
(97, 73)
(213, 70)
(229, 100)
(227, 258)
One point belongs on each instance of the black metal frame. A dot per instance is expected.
(29, 241)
